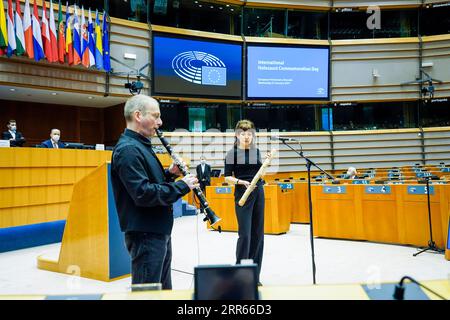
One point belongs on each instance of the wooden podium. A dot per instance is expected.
(277, 213)
(93, 245)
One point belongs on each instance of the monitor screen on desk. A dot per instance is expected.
(226, 282)
(74, 145)
(215, 173)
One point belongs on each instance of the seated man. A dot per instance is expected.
(54, 142)
(351, 173)
(15, 137)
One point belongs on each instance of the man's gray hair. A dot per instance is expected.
(137, 103)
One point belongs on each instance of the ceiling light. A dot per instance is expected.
(212, 7)
(12, 89)
(200, 5)
(228, 5)
(54, 93)
(232, 9)
(220, 8)
(90, 97)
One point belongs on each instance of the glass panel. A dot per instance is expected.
(307, 25)
(372, 116)
(264, 22)
(282, 117)
(395, 24)
(435, 21)
(133, 10)
(435, 114)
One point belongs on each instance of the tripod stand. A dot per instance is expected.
(431, 244)
(310, 163)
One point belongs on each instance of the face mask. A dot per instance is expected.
(202, 161)
(55, 138)
(13, 128)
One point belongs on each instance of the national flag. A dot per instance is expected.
(53, 41)
(20, 37)
(98, 43)
(91, 41)
(37, 36)
(106, 57)
(11, 34)
(84, 41)
(76, 38)
(28, 30)
(61, 37)
(68, 31)
(46, 34)
(3, 29)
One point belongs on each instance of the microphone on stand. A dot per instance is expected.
(283, 139)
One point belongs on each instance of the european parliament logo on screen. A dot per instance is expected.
(200, 68)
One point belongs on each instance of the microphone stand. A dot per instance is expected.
(431, 244)
(310, 163)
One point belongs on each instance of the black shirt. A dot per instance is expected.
(143, 191)
(242, 163)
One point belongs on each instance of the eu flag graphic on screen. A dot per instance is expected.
(214, 76)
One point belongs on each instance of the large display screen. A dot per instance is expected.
(284, 72)
(196, 67)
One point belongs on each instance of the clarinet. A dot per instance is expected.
(209, 214)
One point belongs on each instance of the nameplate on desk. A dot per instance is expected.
(360, 182)
(378, 189)
(334, 189)
(445, 169)
(423, 174)
(285, 186)
(99, 146)
(223, 190)
(420, 190)
(5, 144)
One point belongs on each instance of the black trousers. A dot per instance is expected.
(250, 219)
(151, 257)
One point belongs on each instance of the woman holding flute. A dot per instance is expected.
(242, 163)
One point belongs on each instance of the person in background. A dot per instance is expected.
(351, 173)
(15, 137)
(203, 173)
(54, 141)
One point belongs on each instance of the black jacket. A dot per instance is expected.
(204, 177)
(18, 142)
(143, 191)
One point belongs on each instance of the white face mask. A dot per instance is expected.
(13, 128)
(202, 161)
(55, 137)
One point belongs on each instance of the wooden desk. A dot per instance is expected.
(36, 184)
(395, 216)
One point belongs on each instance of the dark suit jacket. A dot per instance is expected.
(204, 177)
(18, 142)
(143, 191)
(48, 144)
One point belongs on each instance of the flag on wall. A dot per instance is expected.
(28, 31)
(69, 42)
(91, 41)
(76, 38)
(53, 41)
(20, 37)
(37, 36)
(84, 40)
(3, 29)
(61, 37)
(11, 34)
(98, 43)
(106, 57)
(46, 34)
